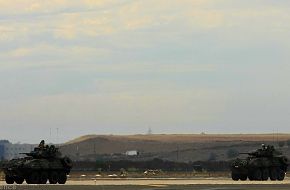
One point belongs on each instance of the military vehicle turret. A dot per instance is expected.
(260, 165)
(43, 163)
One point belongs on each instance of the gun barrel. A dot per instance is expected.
(26, 153)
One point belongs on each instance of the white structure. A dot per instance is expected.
(132, 153)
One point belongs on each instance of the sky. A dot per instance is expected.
(70, 67)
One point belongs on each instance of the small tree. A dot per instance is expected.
(281, 144)
(231, 153)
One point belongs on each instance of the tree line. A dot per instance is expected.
(154, 164)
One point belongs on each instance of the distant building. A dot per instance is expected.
(9, 151)
(132, 153)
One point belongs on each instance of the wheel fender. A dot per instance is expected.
(284, 160)
(67, 161)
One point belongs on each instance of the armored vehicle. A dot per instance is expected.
(43, 163)
(260, 165)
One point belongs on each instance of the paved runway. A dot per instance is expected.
(157, 184)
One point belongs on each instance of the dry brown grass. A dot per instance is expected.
(175, 147)
(186, 138)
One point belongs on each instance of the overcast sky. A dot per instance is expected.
(123, 66)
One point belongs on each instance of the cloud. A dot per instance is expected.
(206, 19)
(72, 52)
(29, 6)
(125, 108)
(166, 62)
(136, 15)
(20, 52)
(72, 20)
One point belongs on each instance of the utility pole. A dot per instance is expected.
(50, 135)
(77, 152)
(177, 153)
(149, 132)
(95, 153)
(57, 135)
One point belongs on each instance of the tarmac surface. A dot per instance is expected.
(157, 184)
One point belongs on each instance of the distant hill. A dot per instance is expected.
(175, 147)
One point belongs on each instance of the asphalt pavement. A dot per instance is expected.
(157, 184)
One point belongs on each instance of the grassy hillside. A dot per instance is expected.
(192, 147)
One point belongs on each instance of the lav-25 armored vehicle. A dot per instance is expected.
(42, 164)
(260, 165)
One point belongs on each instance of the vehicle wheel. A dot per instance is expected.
(258, 175)
(43, 177)
(273, 174)
(265, 174)
(62, 178)
(235, 176)
(243, 177)
(9, 179)
(251, 177)
(19, 180)
(53, 177)
(281, 175)
(33, 178)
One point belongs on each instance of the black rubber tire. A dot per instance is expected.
(235, 176)
(251, 177)
(9, 179)
(62, 178)
(258, 174)
(273, 174)
(19, 180)
(281, 175)
(43, 177)
(53, 177)
(265, 174)
(33, 178)
(243, 177)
